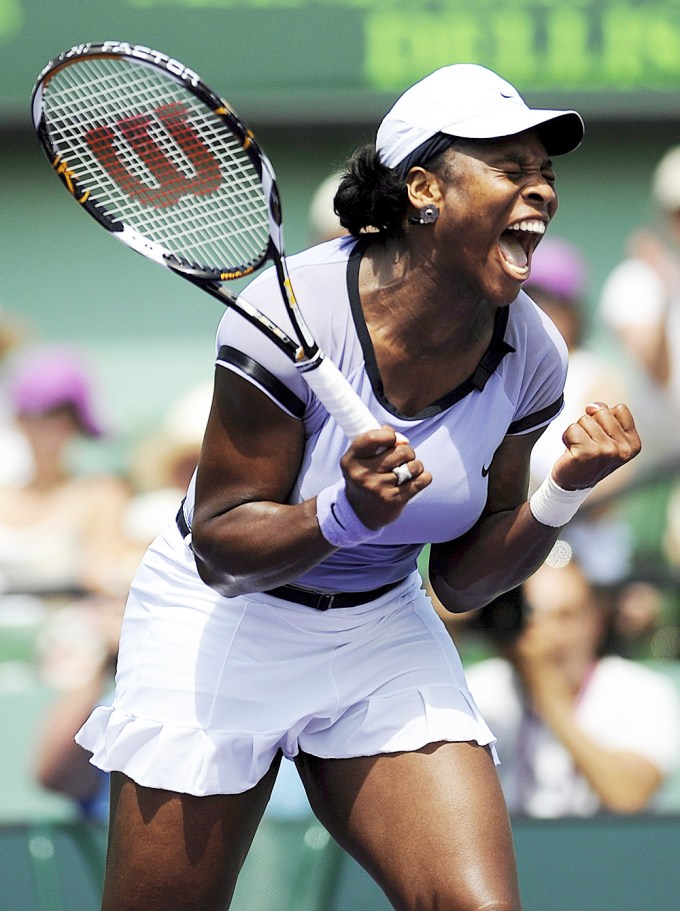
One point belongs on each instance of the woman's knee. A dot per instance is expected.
(452, 893)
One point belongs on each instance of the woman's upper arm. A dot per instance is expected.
(252, 449)
(246, 537)
(509, 472)
(471, 570)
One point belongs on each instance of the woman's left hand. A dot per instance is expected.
(596, 445)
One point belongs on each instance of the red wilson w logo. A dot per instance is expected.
(172, 183)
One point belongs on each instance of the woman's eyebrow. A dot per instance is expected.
(520, 157)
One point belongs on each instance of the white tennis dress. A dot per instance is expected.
(209, 688)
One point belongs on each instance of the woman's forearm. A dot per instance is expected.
(257, 546)
(623, 780)
(497, 554)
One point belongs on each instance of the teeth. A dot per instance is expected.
(531, 227)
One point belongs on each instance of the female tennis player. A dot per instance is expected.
(282, 614)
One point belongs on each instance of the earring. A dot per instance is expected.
(427, 215)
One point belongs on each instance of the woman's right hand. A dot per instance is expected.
(370, 482)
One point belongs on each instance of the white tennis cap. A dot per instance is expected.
(472, 102)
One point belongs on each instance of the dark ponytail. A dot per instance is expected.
(371, 196)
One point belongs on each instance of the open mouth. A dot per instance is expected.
(517, 244)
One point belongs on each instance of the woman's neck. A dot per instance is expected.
(403, 296)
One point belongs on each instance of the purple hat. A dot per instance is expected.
(558, 267)
(51, 378)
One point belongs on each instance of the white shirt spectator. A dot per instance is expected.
(622, 705)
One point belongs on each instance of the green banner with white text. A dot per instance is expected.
(330, 60)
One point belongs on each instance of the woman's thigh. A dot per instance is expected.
(176, 851)
(430, 826)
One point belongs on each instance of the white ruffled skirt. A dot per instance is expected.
(208, 689)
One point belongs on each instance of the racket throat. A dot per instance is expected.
(308, 357)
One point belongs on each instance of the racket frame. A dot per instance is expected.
(322, 375)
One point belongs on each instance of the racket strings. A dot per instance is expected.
(148, 153)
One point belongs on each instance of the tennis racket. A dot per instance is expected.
(169, 169)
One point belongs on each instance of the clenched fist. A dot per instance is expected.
(596, 445)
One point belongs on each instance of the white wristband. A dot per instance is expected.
(552, 505)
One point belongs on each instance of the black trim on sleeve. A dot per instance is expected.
(279, 392)
(537, 418)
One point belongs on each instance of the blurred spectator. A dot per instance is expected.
(578, 731)
(324, 224)
(601, 538)
(15, 464)
(643, 622)
(59, 531)
(161, 467)
(60, 764)
(640, 304)
(672, 531)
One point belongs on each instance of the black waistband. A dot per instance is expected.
(317, 600)
(329, 600)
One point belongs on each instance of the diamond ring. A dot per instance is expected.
(402, 474)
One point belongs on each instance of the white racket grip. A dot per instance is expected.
(338, 397)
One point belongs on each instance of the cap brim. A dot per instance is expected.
(560, 131)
